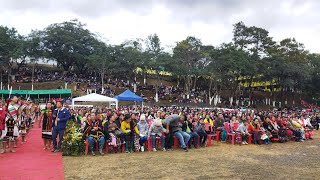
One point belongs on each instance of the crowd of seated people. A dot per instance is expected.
(163, 128)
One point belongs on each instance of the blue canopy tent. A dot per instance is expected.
(128, 96)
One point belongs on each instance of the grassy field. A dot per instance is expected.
(292, 160)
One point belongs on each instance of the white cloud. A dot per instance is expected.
(173, 21)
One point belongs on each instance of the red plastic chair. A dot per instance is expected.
(175, 142)
(227, 128)
(87, 147)
(211, 136)
(235, 126)
(107, 147)
(149, 141)
(308, 133)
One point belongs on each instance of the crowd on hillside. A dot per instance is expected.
(90, 84)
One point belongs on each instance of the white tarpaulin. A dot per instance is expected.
(95, 98)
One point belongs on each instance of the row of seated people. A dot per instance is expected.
(132, 132)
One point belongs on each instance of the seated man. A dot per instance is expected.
(219, 126)
(174, 125)
(94, 132)
(200, 130)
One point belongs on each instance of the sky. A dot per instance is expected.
(173, 20)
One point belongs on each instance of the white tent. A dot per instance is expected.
(94, 98)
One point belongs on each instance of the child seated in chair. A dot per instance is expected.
(243, 129)
(157, 130)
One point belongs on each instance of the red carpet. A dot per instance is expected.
(31, 162)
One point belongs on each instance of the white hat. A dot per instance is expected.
(143, 117)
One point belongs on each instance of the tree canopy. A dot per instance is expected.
(251, 56)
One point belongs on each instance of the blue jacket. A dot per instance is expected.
(63, 115)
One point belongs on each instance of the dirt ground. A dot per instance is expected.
(292, 160)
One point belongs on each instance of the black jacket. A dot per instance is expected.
(185, 124)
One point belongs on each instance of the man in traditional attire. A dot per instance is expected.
(94, 133)
(12, 121)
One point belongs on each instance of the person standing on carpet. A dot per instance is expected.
(2, 127)
(60, 117)
(23, 123)
(46, 119)
(11, 122)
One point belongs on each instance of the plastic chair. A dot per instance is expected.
(227, 128)
(175, 142)
(149, 141)
(235, 126)
(211, 136)
(87, 147)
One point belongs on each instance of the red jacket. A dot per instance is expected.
(2, 118)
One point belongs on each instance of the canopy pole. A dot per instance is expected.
(72, 104)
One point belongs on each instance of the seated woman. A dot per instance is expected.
(94, 132)
(157, 130)
(210, 121)
(143, 130)
(297, 129)
(130, 129)
(254, 129)
(112, 128)
(265, 135)
(233, 122)
(188, 128)
(306, 123)
(271, 127)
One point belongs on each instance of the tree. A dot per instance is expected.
(155, 58)
(101, 60)
(288, 67)
(31, 50)
(186, 56)
(9, 45)
(69, 44)
(312, 86)
(255, 41)
(228, 65)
